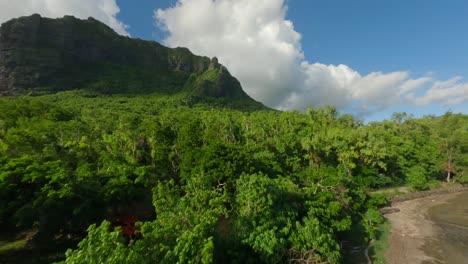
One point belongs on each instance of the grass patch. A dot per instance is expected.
(380, 244)
(9, 246)
(392, 191)
(15, 249)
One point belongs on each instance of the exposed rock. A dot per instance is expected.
(42, 55)
(214, 64)
(389, 210)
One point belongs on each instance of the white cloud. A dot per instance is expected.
(261, 48)
(411, 85)
(450, 92)
(103, 10)
(252, 38)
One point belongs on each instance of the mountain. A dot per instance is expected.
(42, 55)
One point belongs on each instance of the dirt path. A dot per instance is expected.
(411, 229)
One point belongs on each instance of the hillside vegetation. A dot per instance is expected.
(43, 56)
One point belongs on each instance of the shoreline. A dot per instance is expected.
(412, 230)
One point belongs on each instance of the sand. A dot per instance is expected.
(412, 231)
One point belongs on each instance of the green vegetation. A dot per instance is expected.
(379, 245)
(171, 138)
(211, 182)
(8, 246)
(16, 248)
(69, 53)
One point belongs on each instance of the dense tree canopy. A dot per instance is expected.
(222, 185)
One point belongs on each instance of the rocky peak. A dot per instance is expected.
(42, 55)
(214, 64)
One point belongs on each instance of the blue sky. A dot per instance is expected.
(415, 35)
(366, 57)
(420, 36)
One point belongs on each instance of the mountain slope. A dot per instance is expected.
(41, 55)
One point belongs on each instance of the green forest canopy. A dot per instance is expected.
(212, 183)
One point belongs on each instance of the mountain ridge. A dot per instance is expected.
(42, 55)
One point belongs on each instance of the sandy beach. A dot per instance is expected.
(414, 238)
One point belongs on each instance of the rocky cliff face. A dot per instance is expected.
(40, 55)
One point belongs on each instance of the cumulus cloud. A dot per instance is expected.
(252, 38)
(103, 10)
(262, 49)
(450, 92)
